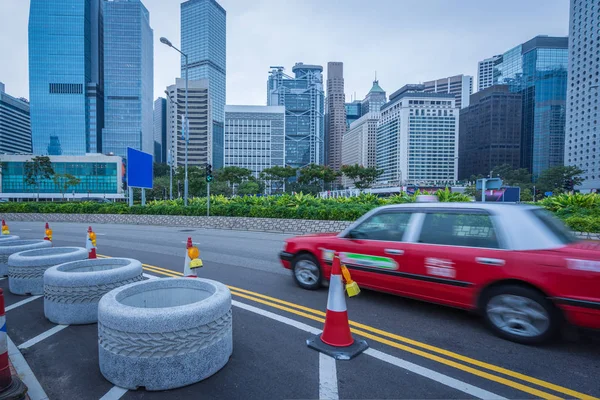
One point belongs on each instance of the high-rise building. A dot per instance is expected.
(490, 132)
(417, 137)
(200, 123)
(160, 130)
(460, 85)
(538, 70)
(485, 72)
(374, 99)
(15, 129)
(203, 39)
(359, 144)
(336, 110)
(128, 78)
(254, 137)
(353, 112)
(582, 147)
(65, 76)
(303, 97)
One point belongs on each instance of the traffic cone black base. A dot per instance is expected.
(339, 353)
(15, 391)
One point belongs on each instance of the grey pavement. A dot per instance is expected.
(265, 351)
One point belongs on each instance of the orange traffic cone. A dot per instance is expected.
(187, 271)
(5, 230)
(90, 243)
(48, 233)
(336, 339)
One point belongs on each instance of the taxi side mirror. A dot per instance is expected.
(356, 234)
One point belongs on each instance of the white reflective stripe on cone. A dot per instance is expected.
(187, 271)
(336, 300)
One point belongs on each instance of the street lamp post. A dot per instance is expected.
(185, 126)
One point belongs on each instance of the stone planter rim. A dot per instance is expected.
(63, 274)
(15, 246)
(7, 238)
(45, 255)
(120, 316)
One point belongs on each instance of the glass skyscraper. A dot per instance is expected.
(128, 78)
(303, 98)
(203, 39)
(538, 70)
(65, 76)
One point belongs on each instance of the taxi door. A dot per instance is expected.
(454, 253)
(374, 251)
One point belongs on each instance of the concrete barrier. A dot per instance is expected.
(164, 333)
(9, 247)
(26, 268)
(72, 290)
(8, 237)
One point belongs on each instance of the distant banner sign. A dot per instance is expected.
(139, 169)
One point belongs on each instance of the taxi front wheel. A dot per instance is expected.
(520, 314)
(306, 271)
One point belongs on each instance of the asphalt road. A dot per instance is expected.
(420, 350)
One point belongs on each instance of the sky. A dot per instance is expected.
(404, 41)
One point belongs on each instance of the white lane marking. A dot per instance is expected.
(42, 336)
(288, 321)
(23, 302)
(417, 369)
(100, 234)
(1, 279)
(115, 393)
(26, 229)
(34, 389)
(328, 382)
(436, 376)
(150, 276)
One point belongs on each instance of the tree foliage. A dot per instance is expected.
(557, 179)
(363, 177)
(314, 174)
(36, 170)
(279, 175)
(65, 181)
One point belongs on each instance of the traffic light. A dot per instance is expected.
(209, 176)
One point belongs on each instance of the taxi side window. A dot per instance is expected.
(458, 229)
(384, 226)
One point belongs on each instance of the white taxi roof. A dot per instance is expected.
(515, 224)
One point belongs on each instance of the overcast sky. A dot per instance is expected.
(405, 41)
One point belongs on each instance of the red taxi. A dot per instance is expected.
(516, 264)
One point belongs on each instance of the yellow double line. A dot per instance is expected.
(409, 345)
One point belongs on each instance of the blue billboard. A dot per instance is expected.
(139, 169)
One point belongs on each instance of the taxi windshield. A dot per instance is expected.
(554, 225)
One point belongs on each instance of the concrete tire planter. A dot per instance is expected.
(26, 269)
(165, 333)
(8, 247)
(72, 290)
(8, 237)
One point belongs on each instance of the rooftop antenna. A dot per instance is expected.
(375, 75)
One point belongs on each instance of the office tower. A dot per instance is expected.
(160, 130)
(460, 85)
(337, 113)
(254, 137)
(15, 129)
(359, 144)
(490, 132)
(65, 76)
(302, 96)
(128, 78)
(485, 72)
(353, 112)
(417, 137)
(374, 99)
(200, 126)
(582, 147)
(203, 39)
(538, 70)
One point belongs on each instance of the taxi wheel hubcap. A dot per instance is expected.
(306, 272)
(518, 315)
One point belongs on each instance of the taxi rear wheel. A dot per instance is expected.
(520, 314)
(306, 271)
